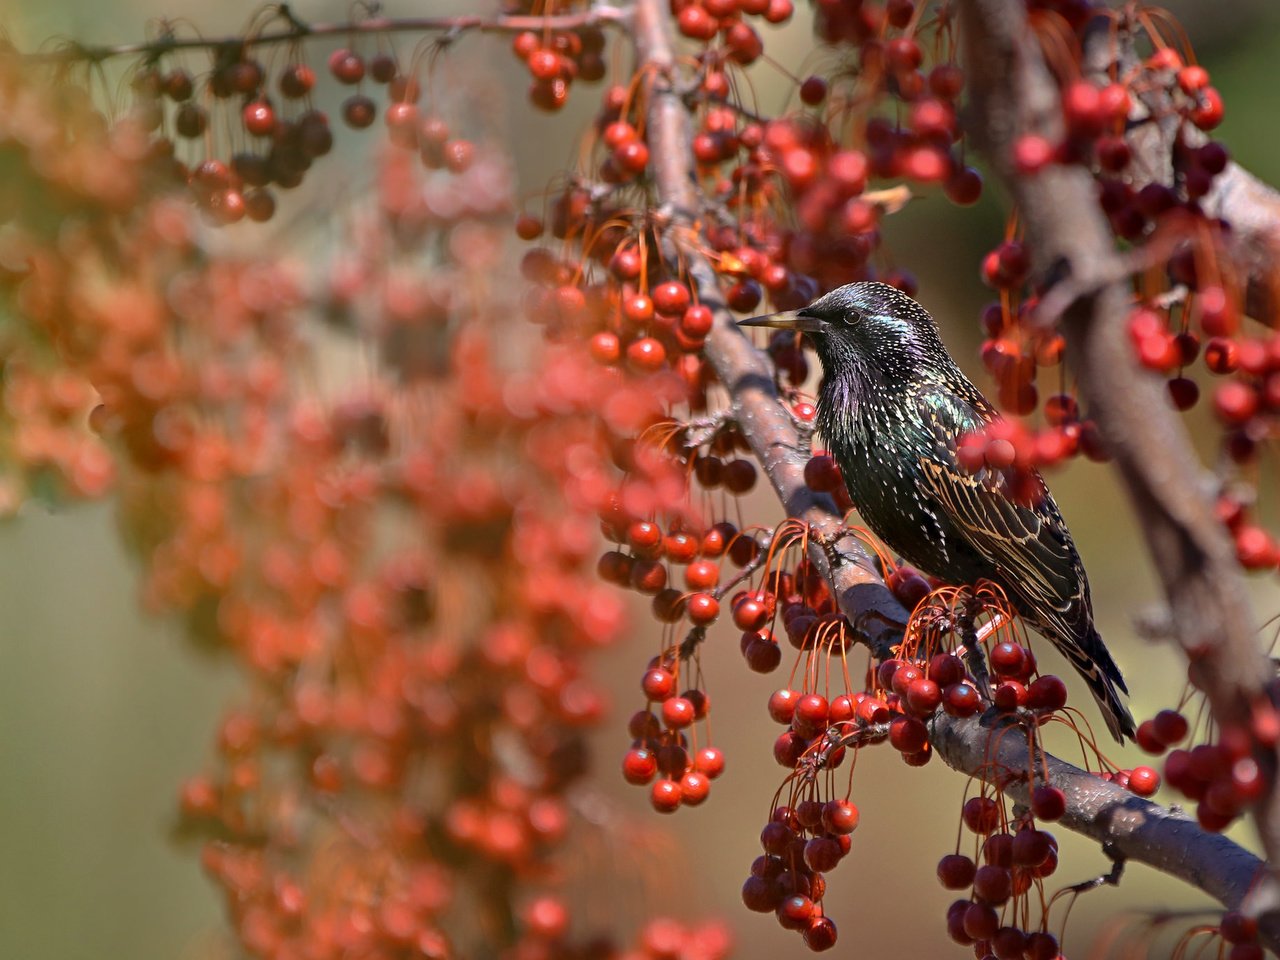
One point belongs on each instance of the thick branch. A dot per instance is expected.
(1138, 830)
(1131, 827)
(1253, 210)
(743, 369)
(1014, 94)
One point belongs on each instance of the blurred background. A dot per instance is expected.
(103, 710)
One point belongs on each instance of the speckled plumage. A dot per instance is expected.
(892, 406)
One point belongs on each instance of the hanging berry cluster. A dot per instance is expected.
(395, 551)
(1187, 316)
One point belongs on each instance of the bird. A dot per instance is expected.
(893, 406)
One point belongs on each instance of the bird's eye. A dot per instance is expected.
(851, 317)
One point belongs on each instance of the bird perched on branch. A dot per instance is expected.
(893, 407)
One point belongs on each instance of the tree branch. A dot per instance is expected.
(297, 29)
(1013, 94)
(1237, 196)
(745, 372)
(1131, 827)
(1137, 829)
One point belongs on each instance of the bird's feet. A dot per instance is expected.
(971, 638)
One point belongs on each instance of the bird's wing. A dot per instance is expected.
(1025, 539)
(1027, 542)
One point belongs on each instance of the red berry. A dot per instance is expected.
(1041, 946)
(961, 699)
(813, 710)
(820, 934)
(1238, 928)
(955, 871)
(658, 684)
(1235, 402)
(346, 66)
(1170, 726)
(1031, 154)
(993, 884)
(697, 321)
(1008, 659)
(750, 613)
(1009, 695)
(259, 119)
(955, 922)
(813, 91)
(702, 575)
(908, 734)
(1030, 847)
(671, 297)
(822, 475)
(1048, 803)
(964, 187)
(1147, 738)
(1208, 111)
(782, 705)
(981, 921)
(1184, 392)
(694, 788)
(296, 80)
(758, 895)
(710, 761)
(1047, 693)
(639, 766)
(646, 355)
(763, 655)
(1144, 781)
(605, 348)
(981, 815)
(665, 796)
(923, 696)
(795, 912)
(544, 64)
(703, 608)
(839, 816)
(677, 712)
(359, 111)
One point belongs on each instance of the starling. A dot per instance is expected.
(893, 406)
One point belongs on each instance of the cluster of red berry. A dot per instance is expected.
(419, 703)
(556, 58)
(1194, 316)
(707, 20)
(1012, 857)
(279, 132)
(1223, 778)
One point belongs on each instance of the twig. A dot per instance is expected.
(299, 30)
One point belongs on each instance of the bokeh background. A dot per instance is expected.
(103, 710)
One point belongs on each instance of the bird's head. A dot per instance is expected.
(871, 328)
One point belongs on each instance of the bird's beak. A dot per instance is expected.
(787, 320)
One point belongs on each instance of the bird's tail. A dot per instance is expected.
(1107, 686)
